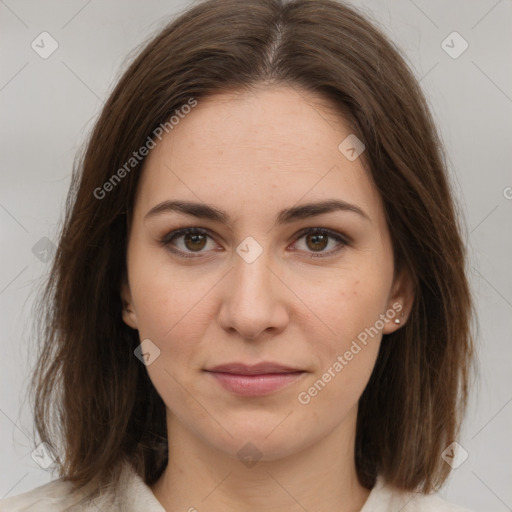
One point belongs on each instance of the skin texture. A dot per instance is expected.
(253, 154)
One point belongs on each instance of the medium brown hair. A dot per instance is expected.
(93, 399)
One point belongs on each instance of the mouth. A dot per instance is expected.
(254, 380)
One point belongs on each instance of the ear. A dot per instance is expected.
(400, 302)
(129, 315)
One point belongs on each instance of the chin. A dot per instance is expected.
(261, 440)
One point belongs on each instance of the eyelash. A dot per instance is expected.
(168, 238)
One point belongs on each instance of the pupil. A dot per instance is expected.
(319, 240)
(194, 238)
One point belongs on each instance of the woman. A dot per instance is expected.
(259, 299)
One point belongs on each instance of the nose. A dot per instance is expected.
(254, 299)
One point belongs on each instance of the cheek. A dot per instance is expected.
(346, 332)
(172, 313)
(167, 298)
(176, 323)
(344, 305)
(346, 352)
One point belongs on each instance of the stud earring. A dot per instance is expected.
(397, 320)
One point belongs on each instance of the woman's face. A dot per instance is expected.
(261, 282)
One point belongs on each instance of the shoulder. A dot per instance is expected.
(384, 498)
(132, 495)
(431, 503)
(53, 496)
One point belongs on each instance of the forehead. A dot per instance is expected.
(273, 144)
(275, 120)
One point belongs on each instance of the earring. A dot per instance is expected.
(397, 320)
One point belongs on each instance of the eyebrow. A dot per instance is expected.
(286, 216)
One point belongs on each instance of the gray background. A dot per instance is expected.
(49, 105)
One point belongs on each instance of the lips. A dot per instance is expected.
(254, 380)
(255, 369)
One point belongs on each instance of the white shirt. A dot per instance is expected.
(135, 496)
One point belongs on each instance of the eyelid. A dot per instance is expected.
(165, 241)
(341, 238)
(318, 229)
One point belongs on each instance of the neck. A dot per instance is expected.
(319, 477)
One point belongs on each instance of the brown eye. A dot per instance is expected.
(194, 241)
(187, 242)
(317, 242)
